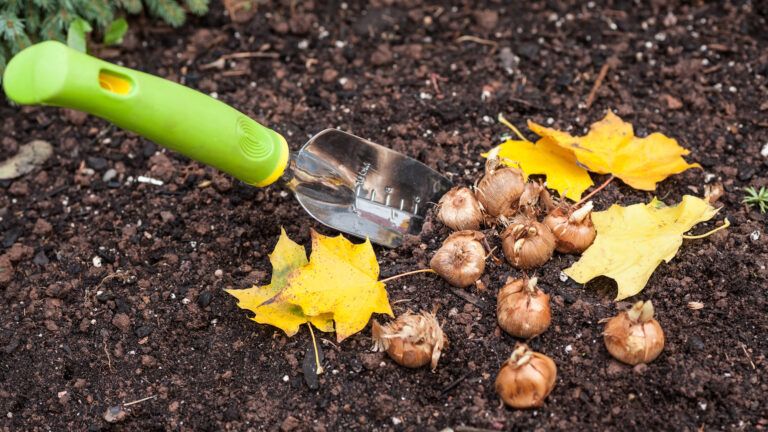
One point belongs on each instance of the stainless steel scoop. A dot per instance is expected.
(361, 188)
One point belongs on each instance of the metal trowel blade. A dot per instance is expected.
(361, 188)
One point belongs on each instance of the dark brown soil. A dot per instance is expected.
(153, 320)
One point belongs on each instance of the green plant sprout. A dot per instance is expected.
(753, 197)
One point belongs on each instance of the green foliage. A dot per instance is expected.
(171, 11)
(115, 32)
(753, 197)
(23, 22)
(76, 35)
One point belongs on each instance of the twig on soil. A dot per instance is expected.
(594, 192)
(109, 358)
(454, 384)
(401, 301)
(470, 298)
(120, 275)
(712, 69)
(116, 275)
(407, 274)
(524, 102)
(744, 348)
(599, 81)
(139, 401)
(236, 72)
(435, 78)
(220, 62)
(329, 342)
(475, 39)
(250, 54)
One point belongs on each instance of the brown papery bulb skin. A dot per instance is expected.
(634, 336)
(413, 340)
(534, 195)
(527, 243)
(523, 310)
(574, 230)
(526, 378)
(500, 188)
(461, 258)
(458, 209)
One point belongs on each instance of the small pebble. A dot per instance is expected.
(143, 331)
(204, 299)
(97, 163)
(109, 175)
(218, 273)
(114, 414)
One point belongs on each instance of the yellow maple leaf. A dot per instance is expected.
(632, 241)
(611, 147)
(285, 258)
(545, 157)
(341, 279)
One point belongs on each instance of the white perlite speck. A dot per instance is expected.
(754, 235)
(150, 180)
(764, 150)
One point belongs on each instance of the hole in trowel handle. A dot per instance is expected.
(114, 82)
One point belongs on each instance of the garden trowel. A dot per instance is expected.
(344, 181)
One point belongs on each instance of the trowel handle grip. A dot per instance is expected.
(173, 116)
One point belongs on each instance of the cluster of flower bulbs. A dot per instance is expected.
(532, 227)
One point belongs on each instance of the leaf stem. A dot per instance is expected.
(517, 132)
(595, 191)
(319, 368)
(726, 224)
(407, 274)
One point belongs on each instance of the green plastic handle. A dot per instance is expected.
(173, 116)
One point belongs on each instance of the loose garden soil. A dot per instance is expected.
(116, 287)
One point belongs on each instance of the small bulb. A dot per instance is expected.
(527, 243)
(461, 258)
(458, 209)
(526, 378)
(573, 229)
(500, 188)
(412, 340)
(522, 309)
(633, 336)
